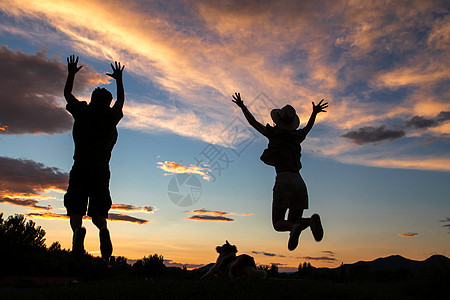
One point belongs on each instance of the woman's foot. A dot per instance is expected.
(294, 236)
(316, 227)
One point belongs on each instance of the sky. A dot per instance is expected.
(186, 174)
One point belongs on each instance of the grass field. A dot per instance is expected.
(173, 288)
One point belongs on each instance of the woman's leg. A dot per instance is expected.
(295, 217)
(278, 219)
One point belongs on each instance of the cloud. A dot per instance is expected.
(267, 253)
(419, 162)
(447, 221)
(22, 181)
(420, 122)
(208, 212)
(23, 202)
(408, 234)
(319, 258)
(111, 217)
(329, 258)
(48, 216)
(173, 167)
(210, 218)
(213, 215)
(202, 124)
(380, 63)
(371, 134)
(132, 208)
(278, 264)
(31, 86)
(126, 218)
(171, 263)
(330, 253)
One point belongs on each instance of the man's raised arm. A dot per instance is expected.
(117, 75)
(72, 69)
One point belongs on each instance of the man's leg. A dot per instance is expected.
(78, 234)
(75, 222)
(100, 222)
(75, 201)
(106, 247)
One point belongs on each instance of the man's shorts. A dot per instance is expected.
(290, 191)
(88, 182)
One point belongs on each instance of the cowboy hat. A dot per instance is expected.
(285, 117)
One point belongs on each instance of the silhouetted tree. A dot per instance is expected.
(17, 234)
(263, 267)
(22, 246)
(151, 266)
(56, 246)
(305, 269)
(273, 271)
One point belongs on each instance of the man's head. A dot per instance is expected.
(101, 96)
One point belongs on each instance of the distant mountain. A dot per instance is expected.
(203, 269)
(394, 263)
(390, 263)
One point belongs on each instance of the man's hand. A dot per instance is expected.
(117, 75)
(72, 65)
(237, 99)
(319, 107)
(117, 71)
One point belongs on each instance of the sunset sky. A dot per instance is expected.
(377, 163)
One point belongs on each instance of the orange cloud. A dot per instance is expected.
(212, 215)
(126, 218)
(111, 217)
(173, 167)
(48, 216)
(210, 218)
(132, 208)
(413, 75)
(294, 57)
(22, 182)
(415, 163)
(215, 213)
(208, 212)
(408, 234)
(23, 202)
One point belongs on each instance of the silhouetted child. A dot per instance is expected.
(283, 152)
(94, 134)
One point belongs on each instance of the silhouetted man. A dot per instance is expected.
(94, 134)
(284, 152)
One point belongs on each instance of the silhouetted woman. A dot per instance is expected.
(283, 153)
